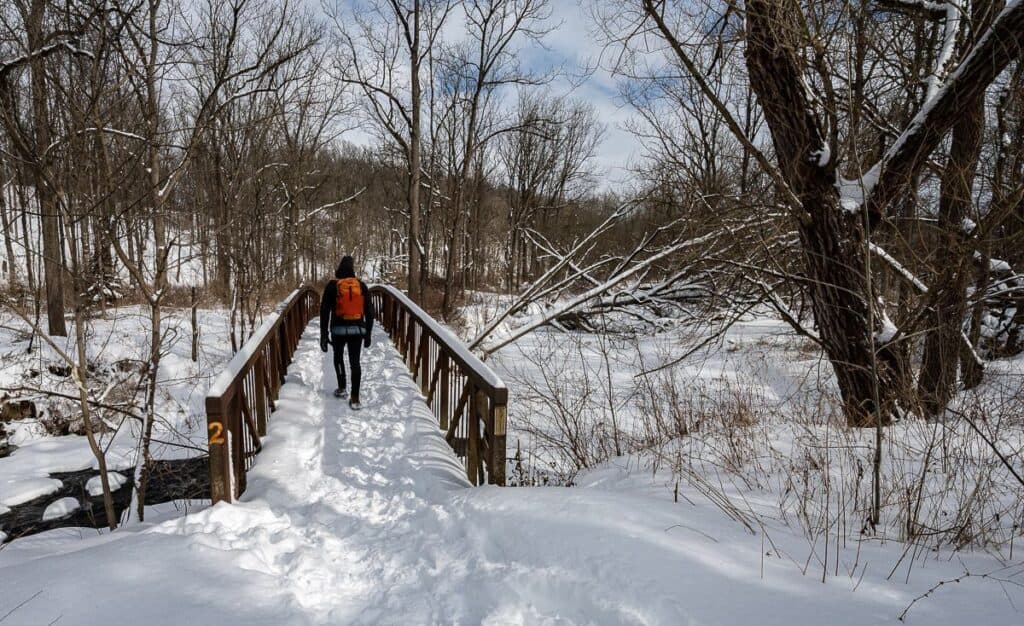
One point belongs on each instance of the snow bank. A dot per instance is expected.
(61, 508)
(15, 490)
(24, 475)
(94, 486)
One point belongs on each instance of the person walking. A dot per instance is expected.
(346, 322)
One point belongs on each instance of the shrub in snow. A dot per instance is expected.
(13, 410)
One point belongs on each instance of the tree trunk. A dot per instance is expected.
(973, 371)
(942, 344)
(223, 229)
(413, 262)
(868, 370)
(53, 266)
(833, 241)
(26, 241)
(9, 235)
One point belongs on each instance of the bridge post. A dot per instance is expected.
(220, 459)
(410, 343)
(473, 428)
(424, 363)
(445, 383)
(236, 445)
(496, 471)
(282, 353)
(260, 400)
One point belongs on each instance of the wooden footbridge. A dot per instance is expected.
(468, 399)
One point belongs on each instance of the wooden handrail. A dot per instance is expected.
(243, 396)
(468, 399)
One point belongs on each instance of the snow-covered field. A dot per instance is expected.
(117, 350)
(365, 518)
(749, 427)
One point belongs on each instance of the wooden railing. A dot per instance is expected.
(467, 397)
(242, 397)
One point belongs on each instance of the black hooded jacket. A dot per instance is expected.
(328, 319)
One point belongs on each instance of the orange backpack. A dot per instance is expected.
(349, 305)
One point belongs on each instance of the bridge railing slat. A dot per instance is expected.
(466, 396)
(242, 397)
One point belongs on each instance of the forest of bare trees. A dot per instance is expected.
(151, 134)
(855, 166)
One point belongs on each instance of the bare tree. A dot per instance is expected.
(384, 48)
(833, 216)
(475, 71)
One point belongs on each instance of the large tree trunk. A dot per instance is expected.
(833, 241)
(867, 369)
(942, 344)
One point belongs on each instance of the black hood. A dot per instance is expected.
(346, 269)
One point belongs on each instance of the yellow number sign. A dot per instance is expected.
(216, 432)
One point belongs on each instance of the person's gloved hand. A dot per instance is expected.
(366, 341)
(323, 344)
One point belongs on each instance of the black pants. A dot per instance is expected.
(353, 345)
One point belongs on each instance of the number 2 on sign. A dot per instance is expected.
(216, 432)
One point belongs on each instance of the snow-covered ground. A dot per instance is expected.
(750, 424)
(117, 348)
(365, 518)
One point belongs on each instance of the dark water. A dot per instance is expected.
(185, 479)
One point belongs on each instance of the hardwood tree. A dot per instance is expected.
(383, 50)
(835, 201)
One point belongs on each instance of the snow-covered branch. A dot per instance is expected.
(330, 205)
(573, 303)
(70, 45)
(996, 48)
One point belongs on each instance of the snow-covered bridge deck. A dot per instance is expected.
(466, 397)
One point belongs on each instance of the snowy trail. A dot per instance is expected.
(365, 518)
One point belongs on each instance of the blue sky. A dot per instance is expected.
(573, 45)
